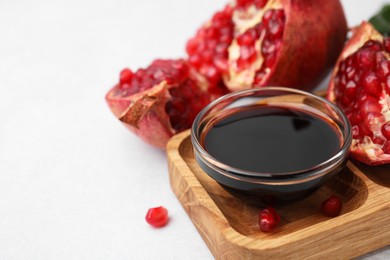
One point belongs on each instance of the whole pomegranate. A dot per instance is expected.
(360, 85)
(250, 43)
(157, 102)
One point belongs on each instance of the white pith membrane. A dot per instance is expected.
(365, 146)
(243, 20)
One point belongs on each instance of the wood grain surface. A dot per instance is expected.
(230, 228)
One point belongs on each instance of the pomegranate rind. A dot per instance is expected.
(365, 150)
(314, 35)
(144, 114)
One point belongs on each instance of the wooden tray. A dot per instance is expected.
(230, 227)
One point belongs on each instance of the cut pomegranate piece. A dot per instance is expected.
(331, 207)
(268, 219)
(157, 217)
(360, 86)
(157, 102)
(279, 42)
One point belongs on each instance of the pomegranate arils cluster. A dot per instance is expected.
(169, 70)
(361, 87)
(208, 50)
(274, 22)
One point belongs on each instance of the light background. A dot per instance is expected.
(74, 183)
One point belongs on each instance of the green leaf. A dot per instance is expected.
(381, 21)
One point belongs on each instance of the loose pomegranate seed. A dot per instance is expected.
(332, 206)
(157, 217)
(268, 219)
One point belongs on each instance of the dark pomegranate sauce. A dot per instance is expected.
(271, 139)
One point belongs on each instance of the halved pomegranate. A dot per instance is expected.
(250, 43)
(157, 102)
(360, 85)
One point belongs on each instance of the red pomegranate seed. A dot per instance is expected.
(221, 49)
(157, 217)
(248, 38)
(384, 68)
(259, 76)
(126, 76)
(386, 147)
(221, 63)
(276, 24)
(350, 89)
(192, 46)
(372, 85)
(210, 72)
(387, 84)
(218, 16)
(355, 131)
(366, 57)
(350, 72)
(268, 219)
(243, 3)
(378, 140)
(332, 206)
(267, 16)
(195, 60)
(386, 44)
(370, 104)
(373, 45)
(260, 3)
(386, 130)
(207, 56)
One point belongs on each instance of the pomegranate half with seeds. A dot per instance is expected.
(157, 102)
(290, 43)
(360, 85)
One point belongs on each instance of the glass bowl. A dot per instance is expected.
(258, 187)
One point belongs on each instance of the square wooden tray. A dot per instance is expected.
(230, 227)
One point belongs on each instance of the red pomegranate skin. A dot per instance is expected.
(314, 37)
(360, 85)
(310, 36)
(157, 102)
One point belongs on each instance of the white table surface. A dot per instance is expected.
(74, 183)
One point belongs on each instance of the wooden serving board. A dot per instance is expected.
(230, 227)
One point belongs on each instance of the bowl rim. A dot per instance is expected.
(234, 172)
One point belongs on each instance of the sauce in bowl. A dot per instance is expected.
(272, 139)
